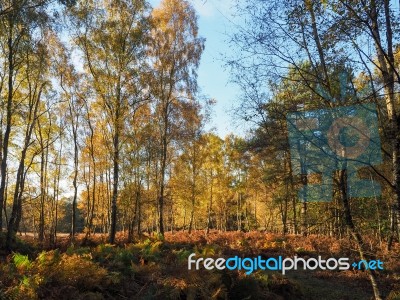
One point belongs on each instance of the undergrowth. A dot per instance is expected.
(155, 268)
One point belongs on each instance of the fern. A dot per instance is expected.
(22, 262)
(208, 250)
(394, 295)
(182, 254)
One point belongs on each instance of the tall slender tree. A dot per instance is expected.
(175, 50)
(111, 35)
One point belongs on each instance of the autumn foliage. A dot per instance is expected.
(156, 268)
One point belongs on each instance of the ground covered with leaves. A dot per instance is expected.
(156, 268)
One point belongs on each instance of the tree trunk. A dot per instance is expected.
(113, 225)
(193, 203)
(3, 167)
(210, 204)
(388, 72)
(74, 124)
(117, 128)
(354, 233)
(164, 151)
(15, 217)
(43, 179)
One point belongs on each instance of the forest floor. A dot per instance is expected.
(155, 268)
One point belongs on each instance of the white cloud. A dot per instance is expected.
(211, 8)
(204, 7)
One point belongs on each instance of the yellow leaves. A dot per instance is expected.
(52, 270)
(48, 258)
(175, 33)
(75, 268)
(208, 250)
(22, 262)
(308, 4)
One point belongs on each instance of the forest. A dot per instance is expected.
(110, 175)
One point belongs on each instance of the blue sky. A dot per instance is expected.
(214, 24)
